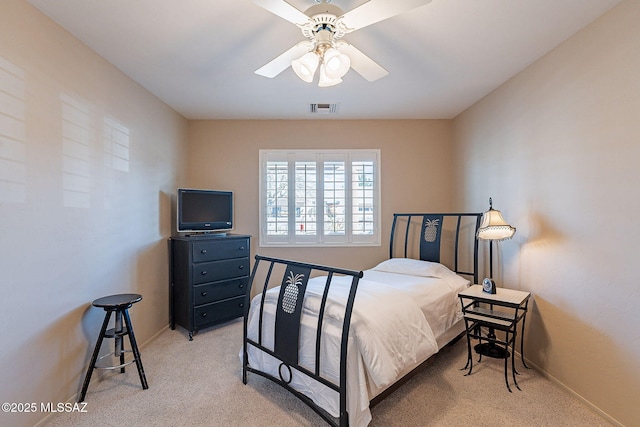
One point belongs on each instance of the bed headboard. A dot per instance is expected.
(447, 238)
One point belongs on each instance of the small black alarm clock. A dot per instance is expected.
(489, 286)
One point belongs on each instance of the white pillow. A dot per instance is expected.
(413, 267)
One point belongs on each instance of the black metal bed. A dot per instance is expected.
(292, 277)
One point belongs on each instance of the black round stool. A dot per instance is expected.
(119, 304)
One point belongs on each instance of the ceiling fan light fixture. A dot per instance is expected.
(325, 79)
(305, 66)
(336, 63)
(324, 25)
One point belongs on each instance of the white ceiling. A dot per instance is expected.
(199, 56)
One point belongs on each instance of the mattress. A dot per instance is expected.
(421, 313)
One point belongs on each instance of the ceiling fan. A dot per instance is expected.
(324, 25)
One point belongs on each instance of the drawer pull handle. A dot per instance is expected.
(241, 304)
(204, 314)
(241, 285)
(242, 248)
(204, 272)
(204, 294)
(204, 251)
(241, 267)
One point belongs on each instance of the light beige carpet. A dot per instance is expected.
(199, 383)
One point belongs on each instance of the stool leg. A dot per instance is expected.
(119, 342)
(96, 351)
(134, 348)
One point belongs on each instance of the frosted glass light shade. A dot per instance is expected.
(305, 66)
(325, 80)
(336, 64)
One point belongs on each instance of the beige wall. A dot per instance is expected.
(78, 219)
(415, 170)
(557, 147)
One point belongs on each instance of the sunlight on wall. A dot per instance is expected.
(12, 134)
(115, 142)
(76, 152)
(116, 145)
(79, 136)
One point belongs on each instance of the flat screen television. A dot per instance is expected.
(204, 210)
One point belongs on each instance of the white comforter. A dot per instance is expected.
(392, 330)
(389, 327)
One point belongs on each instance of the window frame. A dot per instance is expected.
(293, 239)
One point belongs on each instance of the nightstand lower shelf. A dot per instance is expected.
(482, 320)
(491, 350)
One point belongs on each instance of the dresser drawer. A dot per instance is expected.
(221, 249)
(210, 292)
(220, 270)
(218, 311)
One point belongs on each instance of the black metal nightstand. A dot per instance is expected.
(483, 314)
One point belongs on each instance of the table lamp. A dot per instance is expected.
(493, 227)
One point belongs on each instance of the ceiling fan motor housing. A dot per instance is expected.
(324, 17)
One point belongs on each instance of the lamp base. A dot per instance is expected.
(491, 350)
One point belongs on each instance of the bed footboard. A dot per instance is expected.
(292, 277)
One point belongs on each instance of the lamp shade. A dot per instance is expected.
(336, 64)
(494, 227)
(325, 80)
(305, 66)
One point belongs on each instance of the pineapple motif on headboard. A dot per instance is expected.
(289, 310)
(430, 242)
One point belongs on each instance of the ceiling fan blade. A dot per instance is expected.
(283, 61)
(283, 10)
(378, 10)
(361, 63)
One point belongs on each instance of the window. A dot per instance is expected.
(319, 197)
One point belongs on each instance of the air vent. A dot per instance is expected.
(323, 108)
